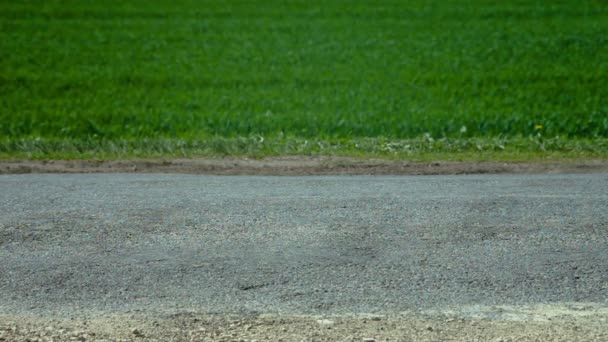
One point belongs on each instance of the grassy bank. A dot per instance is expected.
(180, 77)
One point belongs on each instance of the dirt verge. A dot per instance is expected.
(294, 166)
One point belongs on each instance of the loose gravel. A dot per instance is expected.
(193, 327)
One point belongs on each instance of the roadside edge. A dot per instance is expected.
(298, 166)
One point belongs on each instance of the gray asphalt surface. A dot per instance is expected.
(112, 243)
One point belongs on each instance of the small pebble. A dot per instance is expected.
(325, 322)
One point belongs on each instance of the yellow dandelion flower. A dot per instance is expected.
(538, 127)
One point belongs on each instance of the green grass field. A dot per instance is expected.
(115, 79)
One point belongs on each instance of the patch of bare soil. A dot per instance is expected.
(294, 166)
(190, 327)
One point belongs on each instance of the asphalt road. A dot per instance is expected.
(112, 243)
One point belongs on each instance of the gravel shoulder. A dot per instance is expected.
(297, 166)
(543, 323)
